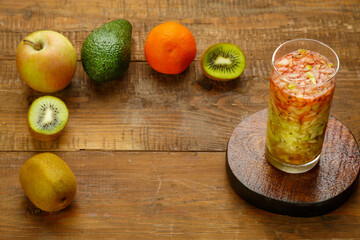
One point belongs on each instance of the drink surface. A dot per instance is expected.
(301, 91)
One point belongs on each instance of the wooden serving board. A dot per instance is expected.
(324, 188)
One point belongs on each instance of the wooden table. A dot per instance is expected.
(148, 151)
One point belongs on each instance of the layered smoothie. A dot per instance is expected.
(301, 91)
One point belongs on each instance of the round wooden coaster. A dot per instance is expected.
(321, 190)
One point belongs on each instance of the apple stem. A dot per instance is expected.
(37, 46)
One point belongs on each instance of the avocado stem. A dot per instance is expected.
(37, 46)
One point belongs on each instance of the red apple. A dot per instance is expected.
(46, 61)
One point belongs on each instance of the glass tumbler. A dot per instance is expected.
(301, 90)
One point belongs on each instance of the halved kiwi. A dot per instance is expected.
(223, 62)
(47, 118)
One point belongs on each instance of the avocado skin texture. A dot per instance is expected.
(105, 53)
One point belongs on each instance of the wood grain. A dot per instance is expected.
(246, 23)
(156, 195)
(148, 150)
(144, 110)
(150, 111)
(317, 192)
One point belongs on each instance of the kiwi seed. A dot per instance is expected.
(223, 62)
(47, 118)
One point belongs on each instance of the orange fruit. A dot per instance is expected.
(170, 48)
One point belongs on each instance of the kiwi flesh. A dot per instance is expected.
(47, 118)
(223, 62)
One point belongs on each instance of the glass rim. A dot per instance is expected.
(310, 40)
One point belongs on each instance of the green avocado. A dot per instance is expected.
(105, 53)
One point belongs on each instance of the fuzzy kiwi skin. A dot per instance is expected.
(208, 75)
(44, 137)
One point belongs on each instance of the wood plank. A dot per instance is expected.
(143, 111)
(156, 195)
(150, 192)
(151, 111)
(148, 111)
(258, 27)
